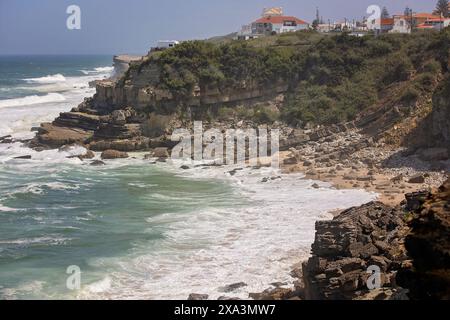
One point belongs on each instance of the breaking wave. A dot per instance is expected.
(47, 79)
(30, 100)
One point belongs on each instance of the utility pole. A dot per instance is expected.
(411, 20)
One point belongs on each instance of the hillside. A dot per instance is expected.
(302, 79)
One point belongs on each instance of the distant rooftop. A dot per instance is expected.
(280, 19)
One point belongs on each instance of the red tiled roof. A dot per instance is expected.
(279, 19)
(387, 22)
(425, 16)
(437, 19)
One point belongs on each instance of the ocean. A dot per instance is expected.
(137, 230)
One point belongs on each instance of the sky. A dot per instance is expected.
(133, 26)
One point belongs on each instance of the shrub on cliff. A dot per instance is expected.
(331, 78)
(231, 65)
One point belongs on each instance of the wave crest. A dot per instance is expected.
(98, 70)
(48, 79)
(30, 100)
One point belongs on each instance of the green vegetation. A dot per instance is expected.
(331, 78)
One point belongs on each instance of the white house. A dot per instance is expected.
(401, 25)
(278, 24)
(247, 34)
(166, 44)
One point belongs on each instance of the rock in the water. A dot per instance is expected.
(161, 153)
(197, 297)
(113, 154)
(88, 155)
(97, 163)
(184, 167)
(55, 136)
(233, 287)
(27, 157)
(6, 139)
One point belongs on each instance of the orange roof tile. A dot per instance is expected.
(279, 19)
(425, 15)
(387, 22)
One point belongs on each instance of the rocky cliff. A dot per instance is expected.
(428, 245)
(408, 244)
(137, 113)
(300, 83)
(345, 248)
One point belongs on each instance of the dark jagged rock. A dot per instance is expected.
(345, 247)
(197, 297)
(79, 120)
(273, 294)
(97, 163)
(27, 157)
(415, 200)
(428, 245)
(233, 287)
(6, 139)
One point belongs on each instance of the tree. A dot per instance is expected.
(315, 24)
(442, 8)
(385, 13)
(316, 21)
(407, 12)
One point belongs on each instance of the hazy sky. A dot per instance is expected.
(133, 26)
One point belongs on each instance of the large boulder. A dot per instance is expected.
(161, 153)
(113, 154)
(56, 136)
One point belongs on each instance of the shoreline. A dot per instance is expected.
(380, 177)
(390, 185)
(375, 168)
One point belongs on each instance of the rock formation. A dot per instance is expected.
(428, 245)
(345, 248)
(413, 257)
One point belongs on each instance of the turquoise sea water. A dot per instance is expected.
(136, 230)
(75, 215)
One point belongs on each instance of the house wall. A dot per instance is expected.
(401, 26)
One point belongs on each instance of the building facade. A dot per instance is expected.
(278, 24)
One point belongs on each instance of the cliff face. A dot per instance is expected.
(440, 121)
(413, 257)
(137, 113)
(428, 245)
(345, 248)
(301, 80)
(122, 63)
(434, 130)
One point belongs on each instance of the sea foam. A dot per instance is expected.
(47, 79)
(31, 100)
